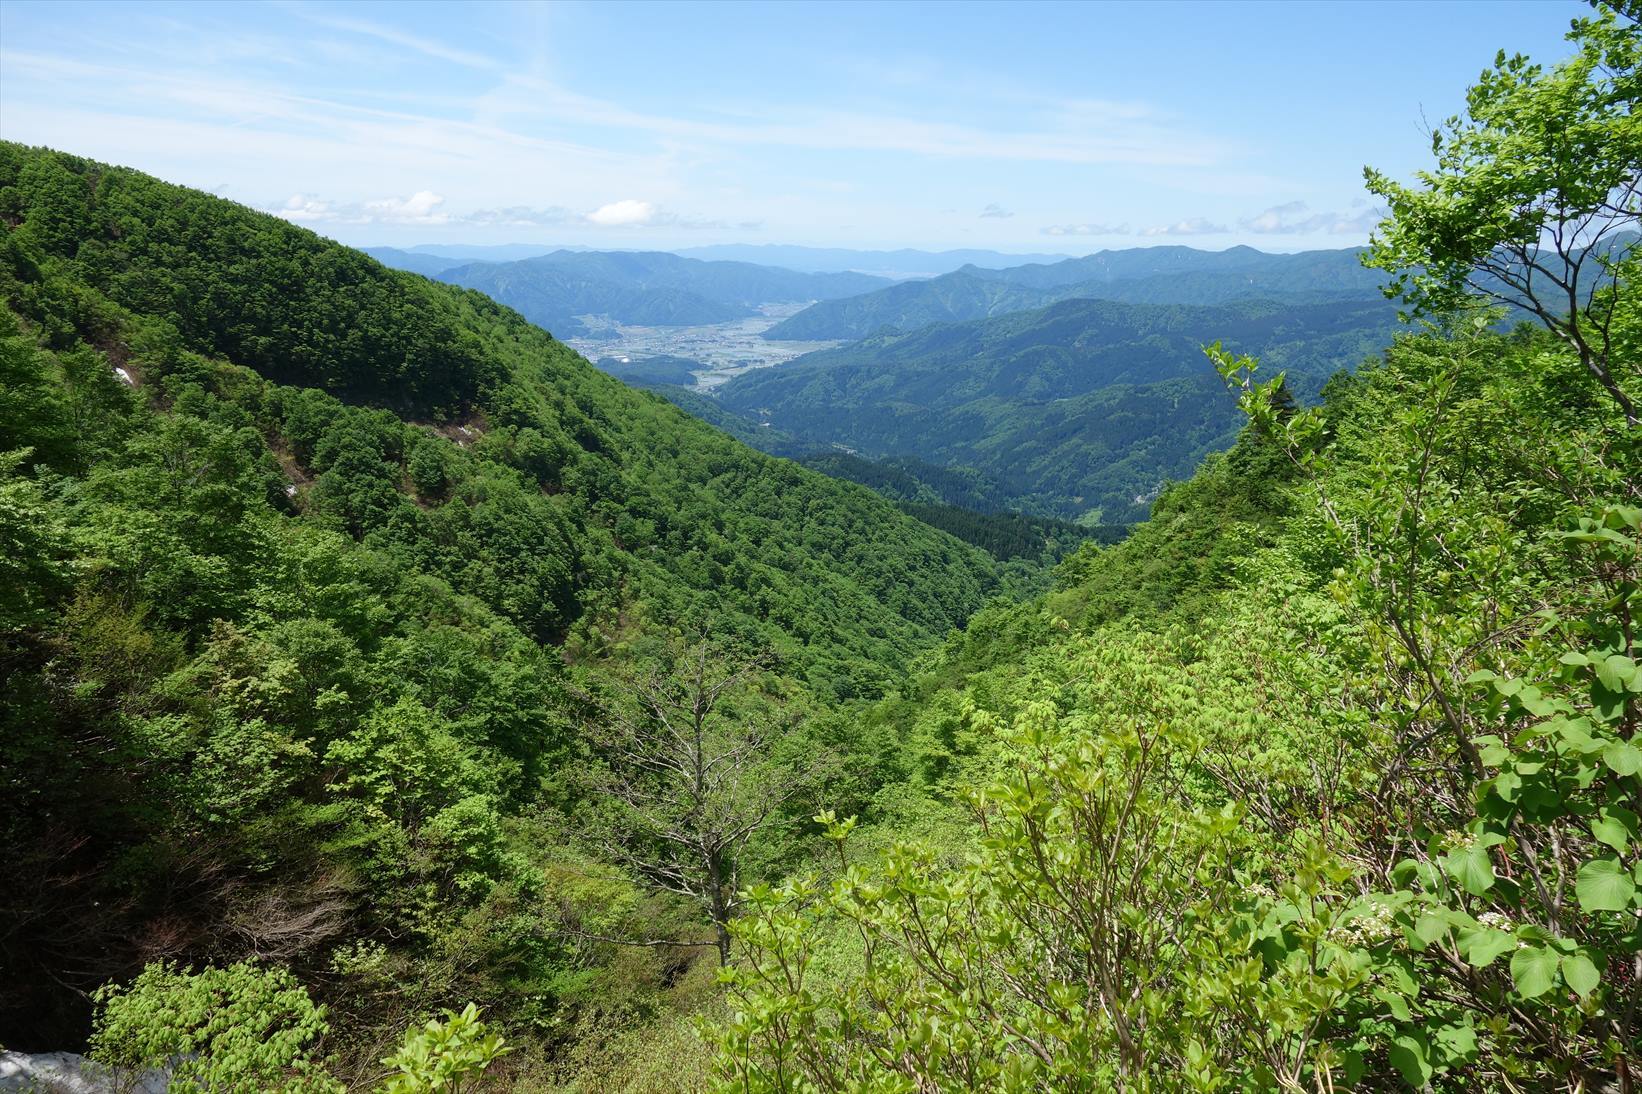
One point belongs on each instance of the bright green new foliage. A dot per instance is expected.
(1364, 815)
(445, 1056)
(1534, 199)
(244, 1027)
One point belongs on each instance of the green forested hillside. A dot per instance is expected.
(652, 371)
(313, 571)
(1277, 788)
(1328, 776)
(1078, 410)
(392, 702)
(1146, 275)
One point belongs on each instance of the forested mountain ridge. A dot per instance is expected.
(640, 288)
(1147, 275)
(901, 263)
(552, 297)
(1080, 409)
(315, 571)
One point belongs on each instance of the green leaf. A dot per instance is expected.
(1395, 1004)
(1533, 970)
(1535, 703)
(1603, 885)
(1457, 1042)
(1408, 1056)
(1623, 758)
(1617, 672)
(1581, 973)
(1483, 946)
(1615, 826)
(1430, 927)
(1471, 868)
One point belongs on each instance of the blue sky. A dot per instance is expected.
(1024, 127)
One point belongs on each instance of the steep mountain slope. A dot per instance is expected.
(317, 575)
(1077, 410)
(1151, 275)
(1138, 767)
(145, 271)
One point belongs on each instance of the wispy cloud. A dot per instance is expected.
(1296, 218)
(521, 216)
(428, 208)
(995, 211)
(1087, 133)
(1085, 230)
(422, 207)
(396, 37)
(1191, 226)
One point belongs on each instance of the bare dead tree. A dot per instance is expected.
(691, 775)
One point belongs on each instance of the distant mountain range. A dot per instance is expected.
(1145, 275)
(641, 288)
(898, 264)
(1077, 410)
(416, 261)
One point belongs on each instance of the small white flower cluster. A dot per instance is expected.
(1365, 929)
(1260, 891)
(1497, 920)
(1459, 841)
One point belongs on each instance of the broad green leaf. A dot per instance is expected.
(1581, 972)
(1535, 703)
(1615, 826)
(1471, 868)
(1395, 1004)
(1623, 758)
(1430, 927)
(1492, 751)
(1483, 946)
(1457, 1042)
(1533, 970)
(1603, 885)
(1617, 672)
(1408, 1056)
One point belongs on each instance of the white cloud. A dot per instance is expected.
(622, 214)
(1191, 226)
(1085, 230)
(1296, 218)
(421, 207)
(302, 209)
(994, 210)
(520, 216)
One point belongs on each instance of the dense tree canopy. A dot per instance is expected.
(354, 736)
(307, 563)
